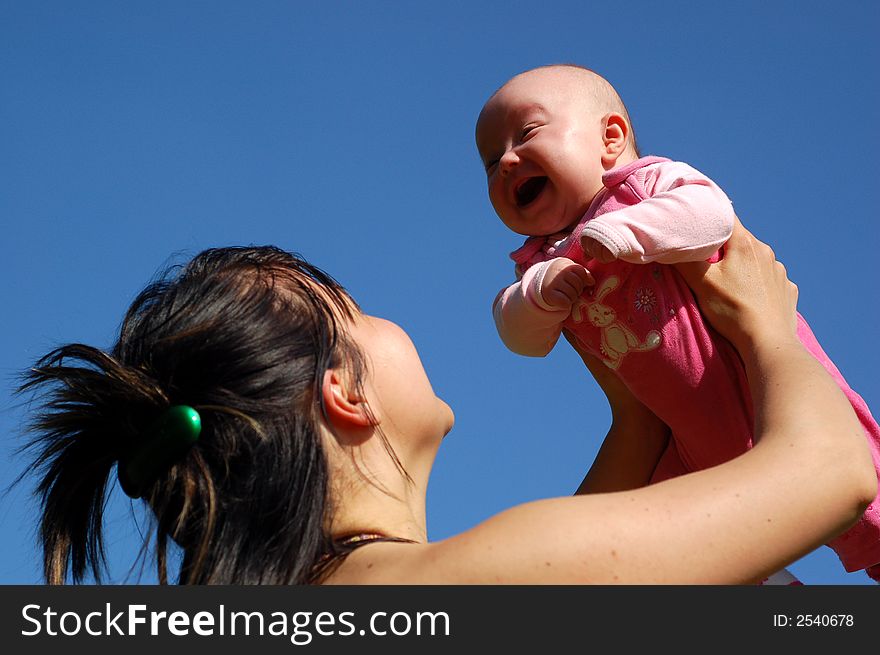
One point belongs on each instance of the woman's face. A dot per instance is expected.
(397, 387)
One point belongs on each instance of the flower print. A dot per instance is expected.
(645, 300)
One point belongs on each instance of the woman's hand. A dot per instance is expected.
(746, 296)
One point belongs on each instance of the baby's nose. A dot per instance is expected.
(508, 162)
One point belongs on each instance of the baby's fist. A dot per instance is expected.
(563, 283)
(595, 250)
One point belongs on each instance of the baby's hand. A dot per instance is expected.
(595, 250)
(563, 283)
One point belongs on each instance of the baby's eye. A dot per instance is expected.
(527, 131)
(491, 165)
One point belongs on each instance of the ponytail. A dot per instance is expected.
(92, 404)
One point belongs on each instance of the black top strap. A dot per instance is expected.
(364, 538)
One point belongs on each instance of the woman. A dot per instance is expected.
(320, 427)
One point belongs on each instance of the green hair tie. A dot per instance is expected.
(164, 442)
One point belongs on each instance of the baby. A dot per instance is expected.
(564, 170)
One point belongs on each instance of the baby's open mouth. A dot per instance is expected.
(529, 190)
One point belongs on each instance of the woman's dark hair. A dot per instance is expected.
(243, 335)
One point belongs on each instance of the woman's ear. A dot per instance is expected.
(345, 405)
(615, 138)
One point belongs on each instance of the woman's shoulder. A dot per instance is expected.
(552, 541)
(379, 563)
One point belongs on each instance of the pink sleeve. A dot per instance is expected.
(526, 324)
(685, 218)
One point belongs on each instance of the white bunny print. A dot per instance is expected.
(617, 338)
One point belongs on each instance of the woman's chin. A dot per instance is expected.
(448, 417)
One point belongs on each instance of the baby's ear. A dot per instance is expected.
(614, 138)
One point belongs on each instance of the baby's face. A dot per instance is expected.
(541, 145)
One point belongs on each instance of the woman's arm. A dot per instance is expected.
(807, 479)
(635, 440)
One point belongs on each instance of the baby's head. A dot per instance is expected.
(545, 138)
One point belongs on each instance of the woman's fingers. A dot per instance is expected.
(747, 291)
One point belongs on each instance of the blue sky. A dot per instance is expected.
(136, 134)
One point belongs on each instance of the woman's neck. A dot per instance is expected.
(368, 508)
(374, 492)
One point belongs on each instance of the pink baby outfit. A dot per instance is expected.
(642, 320)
